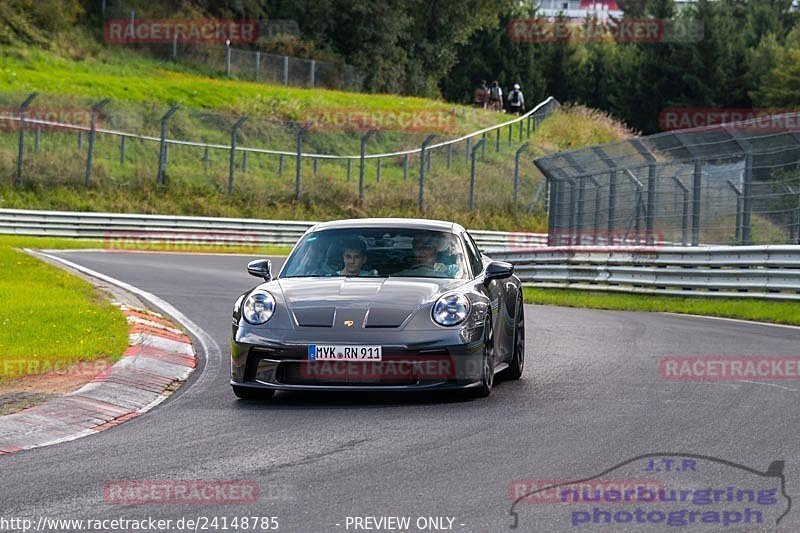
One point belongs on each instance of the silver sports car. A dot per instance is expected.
(379, 304)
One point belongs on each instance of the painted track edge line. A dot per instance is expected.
(739, 320)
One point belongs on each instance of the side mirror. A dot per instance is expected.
(260, 268)
(498, 270)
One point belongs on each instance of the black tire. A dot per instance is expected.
(487, 374)
(517, 363)
(253, 394)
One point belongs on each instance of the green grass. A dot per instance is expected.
(127, 77)
(779, 312)
(50, 319)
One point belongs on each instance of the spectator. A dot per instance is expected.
(516, 101)
(480, 95)
(496, 97)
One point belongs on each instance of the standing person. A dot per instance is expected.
(480, 95)
(496, 97)
(516, 101)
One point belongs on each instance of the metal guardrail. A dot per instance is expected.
(771, 271)
(116, 228)
(735, 271)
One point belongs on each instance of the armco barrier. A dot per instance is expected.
(732, 271)
(165, 228)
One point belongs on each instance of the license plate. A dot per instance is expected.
(343, 352)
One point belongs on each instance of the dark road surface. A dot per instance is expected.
(591, 398)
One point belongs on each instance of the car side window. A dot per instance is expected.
(473, 255)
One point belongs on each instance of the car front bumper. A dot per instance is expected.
(436, 359)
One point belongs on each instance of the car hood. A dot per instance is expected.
(367, 302)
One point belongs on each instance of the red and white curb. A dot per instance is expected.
(160, 356)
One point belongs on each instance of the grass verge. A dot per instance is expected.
(779, 312)
(51, 320)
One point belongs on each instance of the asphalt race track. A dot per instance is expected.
(591, 398)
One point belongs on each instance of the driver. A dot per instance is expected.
(425, 248)
(354, 255)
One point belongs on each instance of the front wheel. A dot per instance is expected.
(253, 394)
(515, 367)
(487, 367)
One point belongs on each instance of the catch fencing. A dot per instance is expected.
(736, 183)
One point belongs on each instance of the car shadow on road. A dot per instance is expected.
(347, 399)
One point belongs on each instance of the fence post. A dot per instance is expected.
(405, 167)
(314, 166)
(483, 147)
(378, 172)
(299, 164)
(469, 144)
(696, 198)
(37, 138)
(516, 169)
(747, 204)
(228, 58)
(596, 223)
(206, 160)
(232, 160)
(122, 150)
(738, 193)
(258, 64)
(244, 162)
(364, 140)
(175, 45)
(313, 74)
(497, 140)
(510, 133)
(96, 109)
(280, 165)
(520, 130)
(21, 141)
(162, 152)
(449, 155)
(478, 145)
(685, 215)
(286, 70)
(425, 143)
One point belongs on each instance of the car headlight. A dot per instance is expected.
(451, 309)
(258, 307)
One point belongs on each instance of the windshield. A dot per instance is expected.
(378, 253)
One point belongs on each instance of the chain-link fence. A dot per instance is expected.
(728, 184)
(208, 44)
(48, 140)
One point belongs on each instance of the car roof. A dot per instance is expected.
(401, 223)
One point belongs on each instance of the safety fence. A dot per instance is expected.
(735, 183)
(55, 140)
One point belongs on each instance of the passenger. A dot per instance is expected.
(354, 255)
